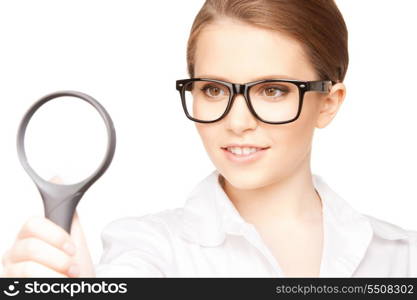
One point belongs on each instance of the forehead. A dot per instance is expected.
(240, 52)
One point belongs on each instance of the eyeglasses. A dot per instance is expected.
(273, 101)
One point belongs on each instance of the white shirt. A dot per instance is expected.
(208, 238)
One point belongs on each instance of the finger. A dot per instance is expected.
(56, 179)
(83, 255)
(5, 257)
(41, 252)
(44, 229)
(30, 269)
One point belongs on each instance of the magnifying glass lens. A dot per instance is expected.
(67, 138)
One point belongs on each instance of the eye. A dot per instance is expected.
(212, 90)
(274, 91)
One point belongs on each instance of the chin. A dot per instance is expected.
(245, 180)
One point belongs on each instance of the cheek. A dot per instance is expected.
(208, 134)
(291, 144)
(292, 141)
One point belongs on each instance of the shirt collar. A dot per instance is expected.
(209, 215)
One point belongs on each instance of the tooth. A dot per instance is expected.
(242, 151)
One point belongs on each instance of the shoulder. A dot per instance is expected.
(396, 246)
(387, 230)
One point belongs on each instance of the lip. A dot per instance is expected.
(244, 158)
(244, 145)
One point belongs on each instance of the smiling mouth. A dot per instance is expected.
(243, 151)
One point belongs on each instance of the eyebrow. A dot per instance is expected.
(253, 79)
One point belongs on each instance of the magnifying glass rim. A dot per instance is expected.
(111, 137)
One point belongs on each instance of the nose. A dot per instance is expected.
(240, 118)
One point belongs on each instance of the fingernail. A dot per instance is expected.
(74, 271)
(69, 248)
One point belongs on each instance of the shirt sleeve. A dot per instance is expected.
(135, 247)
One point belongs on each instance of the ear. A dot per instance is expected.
(330, 104)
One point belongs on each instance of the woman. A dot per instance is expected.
(261, 212)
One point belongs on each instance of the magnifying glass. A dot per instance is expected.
(65, 138)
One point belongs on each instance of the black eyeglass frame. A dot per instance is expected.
(322, 86)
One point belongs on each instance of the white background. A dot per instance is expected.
(128, 54)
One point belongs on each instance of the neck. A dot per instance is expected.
(290, 199)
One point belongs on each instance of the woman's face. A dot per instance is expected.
(241, 53)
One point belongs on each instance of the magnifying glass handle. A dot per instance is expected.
(60, 204)
(63, 214)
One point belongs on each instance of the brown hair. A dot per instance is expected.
(317, 24)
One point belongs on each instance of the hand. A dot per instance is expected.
(44, 249)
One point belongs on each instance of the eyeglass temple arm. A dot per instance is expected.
(320, 86)
(180, 83)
